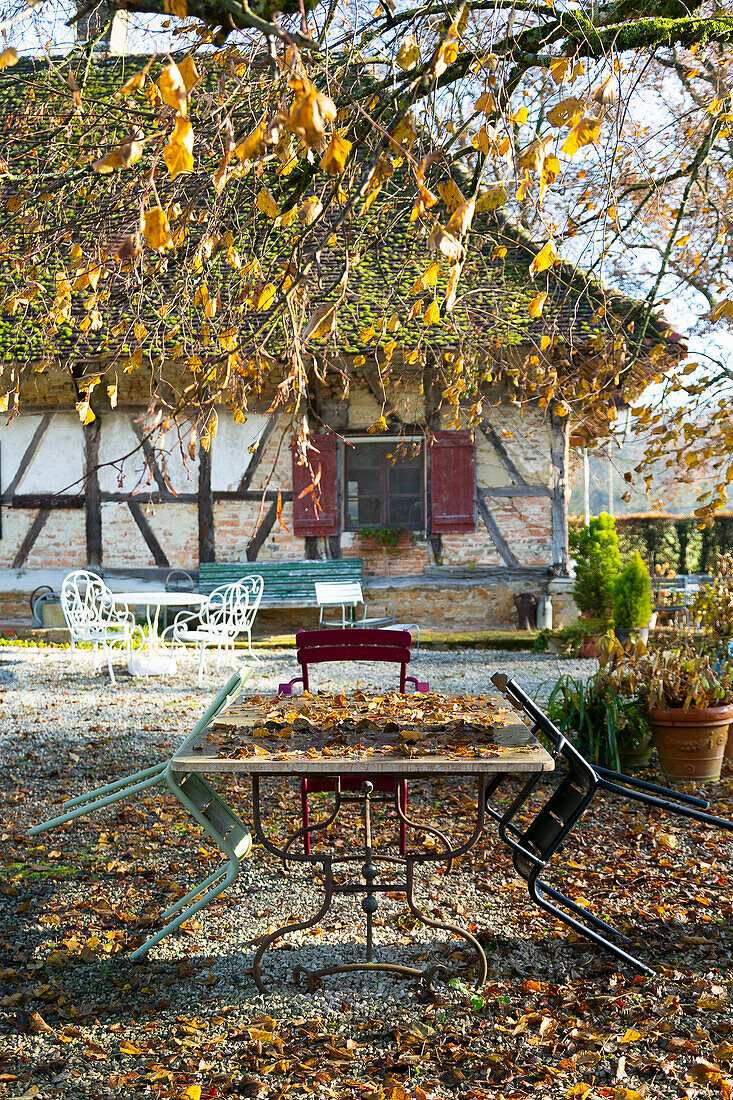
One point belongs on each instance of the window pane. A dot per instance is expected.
(384, 485)
(406, 512)
(405, 479)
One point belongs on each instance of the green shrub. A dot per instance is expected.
(632, 597)
(597, 564)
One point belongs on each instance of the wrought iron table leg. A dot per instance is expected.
(285, 928)
(455, 929)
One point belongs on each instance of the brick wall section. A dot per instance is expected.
(61, 544)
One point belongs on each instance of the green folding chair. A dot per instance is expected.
(203, 803)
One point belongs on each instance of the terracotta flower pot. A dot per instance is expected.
(589, 646)
(690, 742)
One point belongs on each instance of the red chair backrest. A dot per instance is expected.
(353, 644)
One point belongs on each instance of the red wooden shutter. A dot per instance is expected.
(307, 518)
(452, 482)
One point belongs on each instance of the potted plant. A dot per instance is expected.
(712, 609)
(597, 565)
(687, 691)
(632, 600)
(609, 728)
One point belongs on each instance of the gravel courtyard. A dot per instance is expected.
(74, 902)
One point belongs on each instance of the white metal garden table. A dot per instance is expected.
(156, 659)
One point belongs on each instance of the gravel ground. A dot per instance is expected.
(75, 901)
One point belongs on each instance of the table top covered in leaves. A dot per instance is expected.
(397, 734)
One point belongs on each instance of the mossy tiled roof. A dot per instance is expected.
(49, 187)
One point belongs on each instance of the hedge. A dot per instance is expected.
(674, 541)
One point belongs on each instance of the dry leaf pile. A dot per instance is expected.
(364, 725)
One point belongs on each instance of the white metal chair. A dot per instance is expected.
(207, 807)
(227, 615)
(348, 594)
(91, 616)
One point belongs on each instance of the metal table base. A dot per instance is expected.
(401, 880)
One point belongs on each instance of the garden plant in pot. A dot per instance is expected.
(632, 601)
(687, 692)
(597, 565)
(712, 610)
(601, 715)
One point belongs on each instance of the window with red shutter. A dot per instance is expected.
(315, 512)
(452, 482)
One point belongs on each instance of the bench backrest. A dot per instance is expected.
(353, 644)
(332, 593)
(289, 581)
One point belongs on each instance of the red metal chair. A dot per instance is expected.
(353, 644)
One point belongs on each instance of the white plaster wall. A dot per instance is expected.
(118, 438)
(230, 454)
(59, 461)
(14, 439)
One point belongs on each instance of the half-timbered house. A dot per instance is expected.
(454, 503)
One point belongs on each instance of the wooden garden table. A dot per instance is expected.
(290, 737)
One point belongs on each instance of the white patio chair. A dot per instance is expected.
(91, 616)
(227, 615)
(345, 594)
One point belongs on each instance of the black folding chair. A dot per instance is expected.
(534, 845)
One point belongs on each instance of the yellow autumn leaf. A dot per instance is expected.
(432, 314)
(157, 229)
(267, 296)
(537, 304)
(560, 68)
(189, 72)
(518, 118)
(578, 1091)
(429, 278)
(486, 103)
(545, 258)
(564, 111)
(267, 205)
(172, 88)
(408, 54)
(451, 195)
(523, 188)
(8, 58)
(310, 209)
(112, 395)
(367, 334)
(490, 141)
(124, 156)
(193, 1092)
(310, 113)
(126, 1047)
(584, 132)
(4, 402)
(321, 323)
(549, 173)
(378, 426)
(333, 160)
(682, 240)
(545, 343)
(178, 153)
(630, 1036)
(135, 82)
(289, 218)
(254, 144)
(461, 218)
(85, 413)
(228, 340)
(492, 200)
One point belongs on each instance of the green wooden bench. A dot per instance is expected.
(287, 583)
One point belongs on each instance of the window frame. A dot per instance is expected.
(376, 441)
